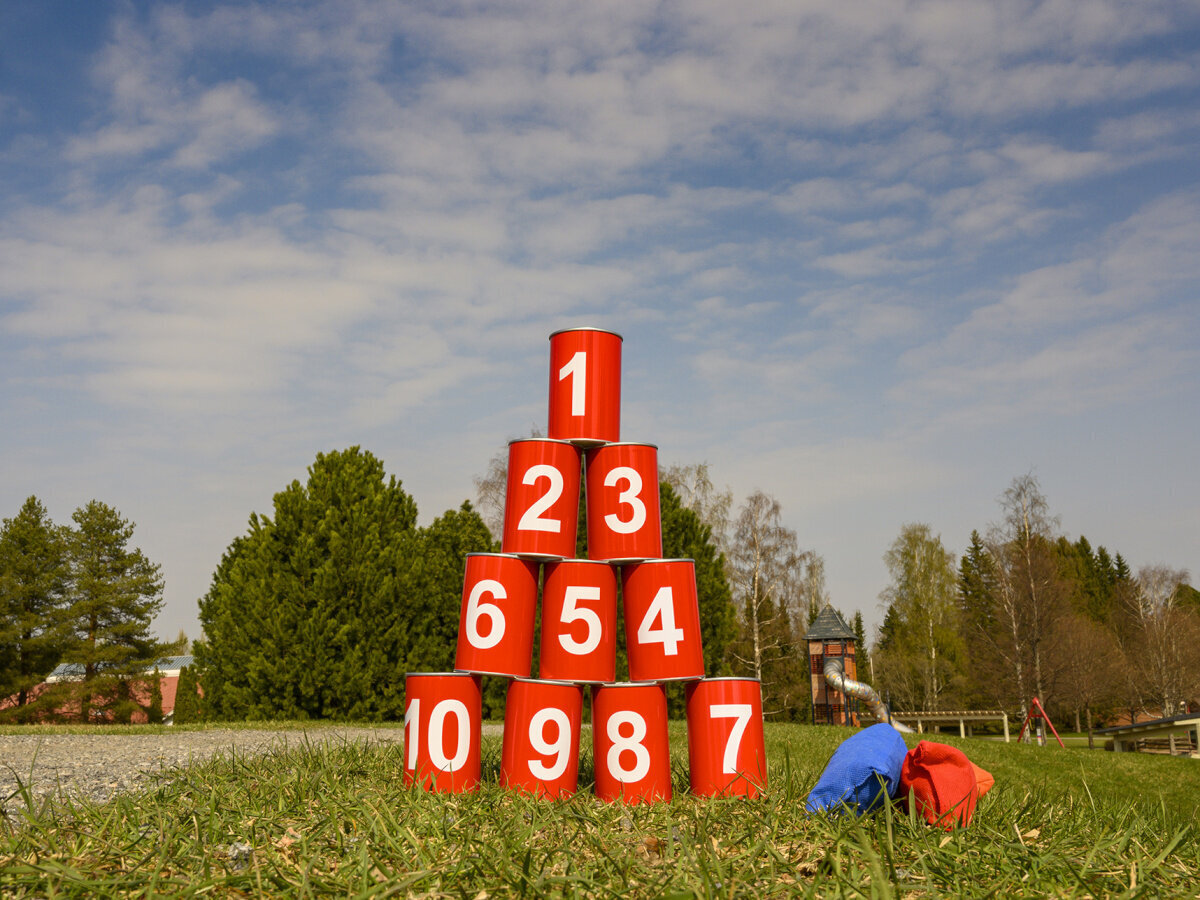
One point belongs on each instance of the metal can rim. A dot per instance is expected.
(541, 441)
(588, 328)
(532, 680)
(440, 674)
(608, 444)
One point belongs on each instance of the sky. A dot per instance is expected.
(876, 259)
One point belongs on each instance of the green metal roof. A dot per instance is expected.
(829, 626)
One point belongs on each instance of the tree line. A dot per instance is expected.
(320, 609)
(1027, 612)
(77, 594)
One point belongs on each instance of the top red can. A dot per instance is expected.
(585, 386)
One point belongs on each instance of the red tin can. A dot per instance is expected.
(629, 737)
(579, 622)
(662, 620)
(496, 622)
(726, 752)
(541, 503)
(442, 723)
(585, 386)
(623, 522)
(542, 721)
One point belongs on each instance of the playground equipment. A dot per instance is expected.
(836, 678)
(578, 614)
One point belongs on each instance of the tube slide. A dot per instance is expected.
(837, 680)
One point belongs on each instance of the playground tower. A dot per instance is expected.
(830, 638)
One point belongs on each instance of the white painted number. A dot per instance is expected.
(572, 613)
(532, 520)
(559, 748)
(437, 721)
(628, 496)
(477, 610)
(662, 607)
(740, 713)
(576, 367)
(412, 716)
(633, 743)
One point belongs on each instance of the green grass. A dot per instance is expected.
(335, 820)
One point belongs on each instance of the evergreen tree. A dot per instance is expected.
(154, 713)
(115, 594)
(34, 578)
(187, 699)
(864, 649)
(320, 611)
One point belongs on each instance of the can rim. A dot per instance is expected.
(485, 553)
(626, 684)
(655, 559)
(445, 674)
(571, 559)
(588, 328)
(474, 672)
(706, 679)
(541, 441)
(607, 444)
(532, 680)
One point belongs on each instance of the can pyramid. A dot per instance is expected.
(578, 640)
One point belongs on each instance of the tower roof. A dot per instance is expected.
(829, 626)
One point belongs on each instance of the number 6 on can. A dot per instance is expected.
(442, 725)
(495, 626)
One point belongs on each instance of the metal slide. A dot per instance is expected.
(836, 676)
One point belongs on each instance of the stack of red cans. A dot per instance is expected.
(577, 644)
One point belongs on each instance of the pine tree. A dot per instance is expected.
(115, 594)
(34, 578)
(320, 611)
(187, 700)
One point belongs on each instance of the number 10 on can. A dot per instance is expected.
(442, 725)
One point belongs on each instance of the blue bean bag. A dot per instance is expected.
(862, 773)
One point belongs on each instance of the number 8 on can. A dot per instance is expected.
(629, 739)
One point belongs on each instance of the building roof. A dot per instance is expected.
(829, 626)
(1134, 727)
(165, 664)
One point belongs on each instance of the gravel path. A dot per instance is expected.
(98, 766)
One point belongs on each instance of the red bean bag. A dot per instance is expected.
(944, 785)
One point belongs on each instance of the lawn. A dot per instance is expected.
(336, 820)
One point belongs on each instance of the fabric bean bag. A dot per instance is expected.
(863, 772)
(943, 784)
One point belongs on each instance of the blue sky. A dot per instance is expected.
(876, 259)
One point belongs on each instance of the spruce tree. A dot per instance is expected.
(115, 594)
(187, 700)
(320, 610)
(34, 577)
